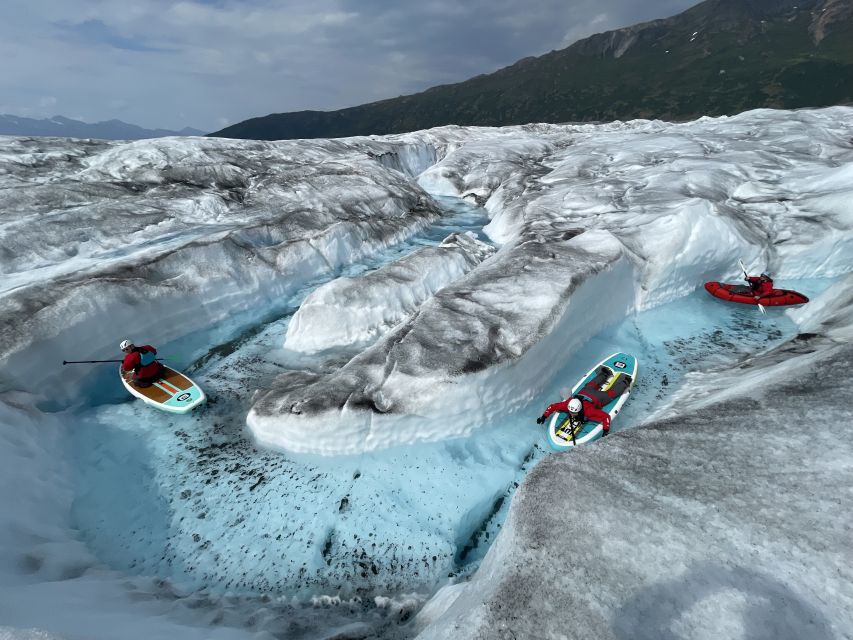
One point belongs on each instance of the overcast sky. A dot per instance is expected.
(210, 63)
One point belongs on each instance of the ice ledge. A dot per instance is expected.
(471, 354)
(353, 312)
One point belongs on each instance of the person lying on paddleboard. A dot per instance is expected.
(141, 361)
(587, 403)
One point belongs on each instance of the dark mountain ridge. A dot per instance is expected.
(718, 57)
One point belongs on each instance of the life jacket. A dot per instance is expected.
(145, 358)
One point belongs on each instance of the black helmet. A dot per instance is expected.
(766, 276)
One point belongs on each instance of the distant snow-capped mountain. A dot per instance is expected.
(67, 128)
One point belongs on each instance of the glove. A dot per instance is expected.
(604, 433)
(540, 419)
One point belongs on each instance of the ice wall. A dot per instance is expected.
(155, 240)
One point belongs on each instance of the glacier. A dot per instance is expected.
(377, 322)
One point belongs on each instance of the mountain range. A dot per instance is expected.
(61, 127)
(718, 57)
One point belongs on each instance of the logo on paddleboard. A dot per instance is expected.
(619, 364)
(183, 396)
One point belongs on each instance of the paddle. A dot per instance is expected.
(746, 277)
(567, 421)
(98, 361)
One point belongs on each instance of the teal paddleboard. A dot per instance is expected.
(561, 435)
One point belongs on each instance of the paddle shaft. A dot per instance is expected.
(746, 277)
(571, 426)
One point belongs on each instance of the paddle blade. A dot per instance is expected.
(743, 268)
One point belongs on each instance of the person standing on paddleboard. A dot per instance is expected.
(142, 362)
(587, 403)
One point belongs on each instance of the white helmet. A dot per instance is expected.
(575, 405)
(125, 344)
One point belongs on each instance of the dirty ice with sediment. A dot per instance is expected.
(377, 322)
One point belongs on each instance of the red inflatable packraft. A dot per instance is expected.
(743, 294)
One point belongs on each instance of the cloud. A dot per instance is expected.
(236, 59)
(597, 24)
(119, 105)
(95, 33)
(256, 22)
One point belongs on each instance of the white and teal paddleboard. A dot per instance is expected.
(172, 391)
(559, 427)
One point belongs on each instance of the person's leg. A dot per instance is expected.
(595, 384)
(592, 389)
(144, 382)
(619, 386)
(598, 397)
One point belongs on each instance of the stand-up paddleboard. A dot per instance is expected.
(173, 391)
(559, 426)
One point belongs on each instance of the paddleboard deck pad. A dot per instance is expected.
(743, 294)
(559, 425)
(173, 392)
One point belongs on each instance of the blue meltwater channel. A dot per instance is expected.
(192, 500)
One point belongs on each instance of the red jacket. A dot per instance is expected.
(590, 411)
(133, 361)
(760, 287)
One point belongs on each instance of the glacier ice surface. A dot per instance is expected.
(127, 518)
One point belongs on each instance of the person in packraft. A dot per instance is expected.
(141, 361)
(760, 285)
(586, 404)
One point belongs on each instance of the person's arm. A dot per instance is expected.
(130, 362)
(597, 415)
(557, 406)
(148, 347)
